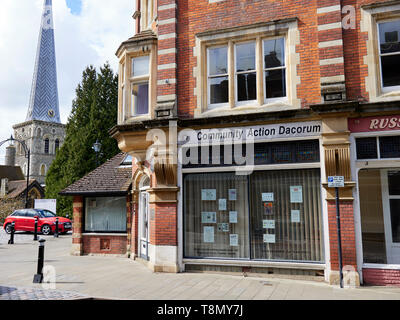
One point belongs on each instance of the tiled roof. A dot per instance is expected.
(109, 178)
(11, 173)
(16, 188)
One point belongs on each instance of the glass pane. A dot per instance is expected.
(389, 36)
(216, 216)
(391, 70)
(394, 183)
(274, 53)
(140, 66)
(372, 222)
(218, 61)
(219, 90)
(275, 83)
(389, 147)
(247, 86)
(286, 215)
(105, 214)
(245, 57)
(140, 98)
(366, 148)
(395, 219)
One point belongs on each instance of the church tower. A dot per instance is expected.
(42, 130)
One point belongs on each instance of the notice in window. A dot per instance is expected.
(233, 217)
(232, 195)
(208, 234)
(268, 208)
(208, 217)
(224, 227)
(269, 238)
(234, 240)
(296, 194)
(269, 224)
(208, 194)
(268, 197)
(295, 216)
(222, 204)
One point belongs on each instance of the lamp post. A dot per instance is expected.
(97, 147)
(28, 156)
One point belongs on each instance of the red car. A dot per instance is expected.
(25, 221)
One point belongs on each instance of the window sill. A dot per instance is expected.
(105, 234)
(273, 106)
(134, 119)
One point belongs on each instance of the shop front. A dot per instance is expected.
(376, 162)
(250, 199)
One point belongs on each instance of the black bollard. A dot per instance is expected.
(11, 241)
(35, 237)
(56, 231)
(38, 277)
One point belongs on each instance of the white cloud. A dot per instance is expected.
(90, 38)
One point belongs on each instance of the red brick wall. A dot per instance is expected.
(92, 244)
(347, 234)
(77, 219)
(381, 277)
(163, 228)
(135, 229)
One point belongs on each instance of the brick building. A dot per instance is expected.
(236, 112)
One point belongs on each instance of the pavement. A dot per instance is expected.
(105, 277)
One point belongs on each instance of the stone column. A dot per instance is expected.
(77, 241)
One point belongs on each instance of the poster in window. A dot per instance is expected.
(269, 238)
(233, 217)
(268, 197)
(208, 217)
(234, 240)
(208, 194)
(296, 194)
(268, 208)
(232, 195)
(208, 234)
(269, 224)
(295, 216)
(224, 227)
(222, 204)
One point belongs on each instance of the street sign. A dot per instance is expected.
(336, 182)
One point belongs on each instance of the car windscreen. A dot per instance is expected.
(47, 214)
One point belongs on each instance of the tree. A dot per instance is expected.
(94, 112)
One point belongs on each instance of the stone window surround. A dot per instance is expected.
(371, 16)
(283, 28)
(125, 67)
(145, 6)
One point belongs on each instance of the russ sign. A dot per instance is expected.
(372, 124)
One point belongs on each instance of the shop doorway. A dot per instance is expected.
(144, 224)
(391, 213)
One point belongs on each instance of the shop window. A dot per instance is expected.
(367, 148)
(274, 215)
(140, 86)
(105, 214)
(389, 52)
(389, 147)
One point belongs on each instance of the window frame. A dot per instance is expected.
(380, 55)
(231, 45)
(137, 80)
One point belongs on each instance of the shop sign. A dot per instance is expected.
(373, 124)
(252, 133)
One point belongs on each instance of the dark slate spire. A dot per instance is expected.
(43, 104)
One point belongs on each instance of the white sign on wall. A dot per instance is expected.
(47, 204)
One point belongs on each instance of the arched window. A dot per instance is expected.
(46, 145)
(56, 145)
(43, 170)
(39, 132)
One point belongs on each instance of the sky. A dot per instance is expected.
(87, 32)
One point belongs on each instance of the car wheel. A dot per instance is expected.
(46, 230)
(8, 228)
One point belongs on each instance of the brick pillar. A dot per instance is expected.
(128, 223)
(77, 243)
(349, 254)
(134, 225)
(163, 229)
(331, 54)
(167, 59)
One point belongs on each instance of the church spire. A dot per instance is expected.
(43, 104)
